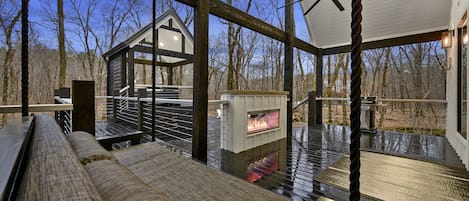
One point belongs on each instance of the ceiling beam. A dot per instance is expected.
(227, 12)
(403, 40)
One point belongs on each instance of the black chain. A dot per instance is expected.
(356, 102)
(24, 57)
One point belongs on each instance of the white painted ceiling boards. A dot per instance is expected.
(382, 19)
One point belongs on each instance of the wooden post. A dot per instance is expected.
(83, 115)
(312, 109)
(142, 93)
(319, 82)
(64, 92)
(200, 97)
(170, 75)
(114, 105)
(56, 113)
(288, 75)
(56, 92)
(131, 73)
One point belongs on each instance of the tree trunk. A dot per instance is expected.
(383, 87)
(61, 38)
(7, 61)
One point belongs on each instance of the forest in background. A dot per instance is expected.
(67, 44)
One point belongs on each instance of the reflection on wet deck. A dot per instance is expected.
(314, 150)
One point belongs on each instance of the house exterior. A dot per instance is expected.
(174, 50)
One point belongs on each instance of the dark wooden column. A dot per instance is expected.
(312, 109)
(319, 85)
(288, 75)
(170, 75)
(200, 97)
(131, 73)
(83, 115)
(63, 92)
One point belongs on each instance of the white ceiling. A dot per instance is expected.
(382, 19)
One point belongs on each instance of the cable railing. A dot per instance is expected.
(173, 118)
(63, 117)
(423, 116)
(124, 103)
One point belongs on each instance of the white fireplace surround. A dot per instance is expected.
(234, 118)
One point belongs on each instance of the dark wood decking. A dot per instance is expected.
(387, 177)
(312, 152)
(181, 178)
(110, 128)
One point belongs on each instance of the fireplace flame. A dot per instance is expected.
(257, 124)
(262, 121)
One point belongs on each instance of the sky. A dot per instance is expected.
(48, 37)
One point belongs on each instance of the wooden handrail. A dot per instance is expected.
(36, 108)
(14, 141)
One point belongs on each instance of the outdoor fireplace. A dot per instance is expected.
(252, 119)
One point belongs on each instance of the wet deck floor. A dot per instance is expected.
(314, 150)
(388, 177)
(289, 170)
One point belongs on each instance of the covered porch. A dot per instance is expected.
(312, 162)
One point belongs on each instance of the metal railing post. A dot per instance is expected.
(142, 93)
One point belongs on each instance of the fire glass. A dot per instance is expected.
(263, 120)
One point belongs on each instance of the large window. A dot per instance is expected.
(462, 80)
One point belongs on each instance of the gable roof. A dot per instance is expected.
(382, 19)
(147, 31)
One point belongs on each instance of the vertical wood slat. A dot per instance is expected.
(288, 75)
(200, 97)
(83, 115)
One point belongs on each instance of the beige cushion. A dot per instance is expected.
(117, 183)
(87, 148)
(53, 172)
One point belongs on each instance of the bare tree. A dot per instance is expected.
(61, 38)
(8, 18)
